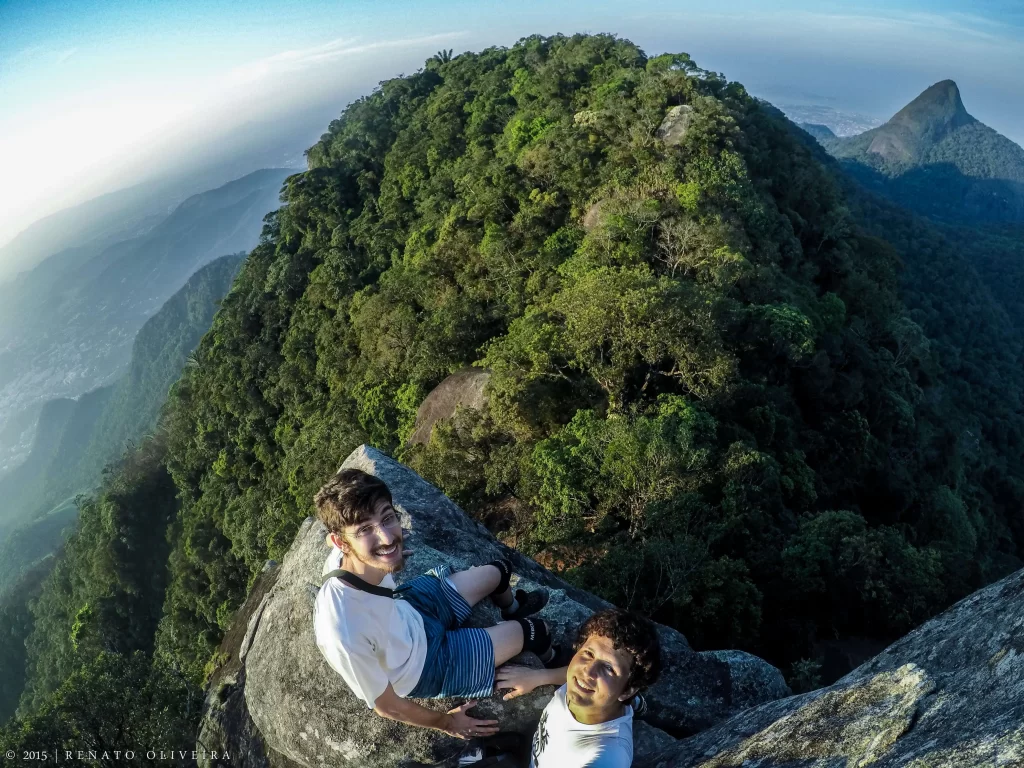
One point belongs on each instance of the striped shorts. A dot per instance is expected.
(460, 661)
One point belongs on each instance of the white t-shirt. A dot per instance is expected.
(367, 639)
(563, 742)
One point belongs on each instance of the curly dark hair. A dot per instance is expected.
(633, 634)
(349, 498)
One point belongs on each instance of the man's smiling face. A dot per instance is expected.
(597, 678)
(376, 541)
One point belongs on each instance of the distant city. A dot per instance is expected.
(840, 123)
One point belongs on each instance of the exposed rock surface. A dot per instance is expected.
(463, 388)
(594, 214)
(673, 128)
(227, 728)
(951, 693)
(303, 710)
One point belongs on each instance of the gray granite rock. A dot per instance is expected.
(951, 693)
(673, 128)
(463, 389)
(595, 213)
(226, 730)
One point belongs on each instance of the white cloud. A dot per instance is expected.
(954, 26)
(38, 55)
(304, 58)
(63, 56)
(123, 129)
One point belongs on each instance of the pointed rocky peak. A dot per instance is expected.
(938, 110)
(923, 122)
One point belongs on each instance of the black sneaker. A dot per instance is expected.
(529, 604)
(563, 655)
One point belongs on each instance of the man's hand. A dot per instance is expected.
(455, 723)
(463, 726)
(522, 680)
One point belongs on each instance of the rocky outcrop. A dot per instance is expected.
(675, 125)
(595, 213)
(951, 693)
(226, 729)
(302, 710)
(934, 114)
(464, 389)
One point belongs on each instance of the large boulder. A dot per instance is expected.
(304, 712)
(595, 214)
(951, 693)
(676, 123)
(227, 731)
(463, 389)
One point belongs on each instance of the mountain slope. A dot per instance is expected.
(62, 423)
(77, 438)
(818, 131)
(67, 326)
(997, 252)
(159, 353)
(15, 625)
(97, 223)
(66, 460)
(933, 157)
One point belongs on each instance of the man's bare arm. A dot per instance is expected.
(454, 722)
(522, 680)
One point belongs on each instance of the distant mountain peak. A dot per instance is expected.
(935, 158)
(935, 113)
(937, 110)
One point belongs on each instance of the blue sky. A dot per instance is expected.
(92, 91)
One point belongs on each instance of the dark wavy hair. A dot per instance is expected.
(633, 634)
(349, 498)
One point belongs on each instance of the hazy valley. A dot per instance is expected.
(67, 325)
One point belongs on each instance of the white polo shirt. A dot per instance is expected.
(368, 639)
(562, 742)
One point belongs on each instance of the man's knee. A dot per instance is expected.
(505, 570)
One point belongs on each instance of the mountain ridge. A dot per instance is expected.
(131, 211)
(76, 438)
(935, 158)
(67, 325)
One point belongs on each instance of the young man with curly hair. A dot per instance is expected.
(589, 721)
(392, 643)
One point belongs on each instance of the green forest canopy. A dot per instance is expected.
(745, 399)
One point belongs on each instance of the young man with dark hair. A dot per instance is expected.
(589, 721)
(394, 643)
